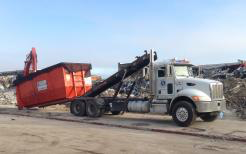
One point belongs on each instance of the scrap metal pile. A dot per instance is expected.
(140, 89)
(233, 76)
(235, 94)
(7, 92)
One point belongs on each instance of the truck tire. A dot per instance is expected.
(77, 108)
(184, 113)
(93, 110)
(209, 117)
(115, 112)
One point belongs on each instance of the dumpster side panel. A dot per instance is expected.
(42, 89)
(26, 94)
(75, 84)
(50, 86)
(53, 86)
(88, 84)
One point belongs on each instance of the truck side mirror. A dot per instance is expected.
(155, 56)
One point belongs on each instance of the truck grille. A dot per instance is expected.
(217, 91)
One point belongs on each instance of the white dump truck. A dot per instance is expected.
(173, 91)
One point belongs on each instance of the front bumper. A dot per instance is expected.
(216, 105)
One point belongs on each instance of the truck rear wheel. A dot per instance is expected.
(184, 114)
(209, 117)
(93, 110)
(77, 108)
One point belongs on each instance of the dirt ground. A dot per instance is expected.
(25, 135)
(229, 127)
(28, 135)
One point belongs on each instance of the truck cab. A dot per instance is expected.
(184, 96)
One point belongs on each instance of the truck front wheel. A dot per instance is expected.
(77, 108)
(209, 117)
(184, 113)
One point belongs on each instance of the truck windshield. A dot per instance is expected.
(182, 71)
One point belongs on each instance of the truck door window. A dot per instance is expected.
(161, 72)
(181, 71)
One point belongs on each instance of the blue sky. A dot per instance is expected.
(110, 31)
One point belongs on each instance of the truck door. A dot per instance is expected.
(165, 82)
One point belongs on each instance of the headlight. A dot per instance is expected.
(196, 98)
(200, 98)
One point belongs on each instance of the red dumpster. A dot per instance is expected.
(56, 84)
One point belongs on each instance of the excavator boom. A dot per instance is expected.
(31, 62)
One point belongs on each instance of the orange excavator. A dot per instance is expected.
(30, 63)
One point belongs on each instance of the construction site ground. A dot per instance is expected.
(55, 130)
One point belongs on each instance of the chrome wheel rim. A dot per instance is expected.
(182, 114)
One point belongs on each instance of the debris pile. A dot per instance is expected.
(108, 93)
(233, 76)
(6, 82)
(222, 71)
(7, 92)
(235, 94)
(140, 88)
